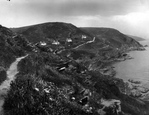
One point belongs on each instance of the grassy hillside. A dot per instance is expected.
(112, 36)
(43, 88)
(54, 30)
(67, 71)
(11, 46)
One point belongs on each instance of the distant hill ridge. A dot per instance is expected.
(61, 36)
(136, 38)
(51, 30)
(61, 31)
(112, 36)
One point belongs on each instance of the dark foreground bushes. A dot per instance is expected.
(32, 96)
(48, 84)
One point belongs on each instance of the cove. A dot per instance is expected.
(137, 68)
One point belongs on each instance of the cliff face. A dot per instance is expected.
(70, 77)
(53, 31)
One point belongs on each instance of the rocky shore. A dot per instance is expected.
(134, 88)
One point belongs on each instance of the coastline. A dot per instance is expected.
(133, 87)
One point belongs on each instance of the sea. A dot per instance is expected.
(136, 69)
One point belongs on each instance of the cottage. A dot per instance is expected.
(84, 37)
(69, 40)
(43, 43)
(56, 42)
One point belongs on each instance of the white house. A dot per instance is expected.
(69, 40)
(84, 37)
(43, 43)
(56, 42)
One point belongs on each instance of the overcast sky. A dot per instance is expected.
(128, 16)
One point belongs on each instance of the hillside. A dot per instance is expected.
(60, 32)
(107, 45)
(64, 38)
(112, 37)
(136, 38)
(70, 78)
(57, 31)
(93, 47)
(11, 46)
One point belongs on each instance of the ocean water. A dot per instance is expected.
(136, 69)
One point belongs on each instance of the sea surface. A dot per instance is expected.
(136, 69)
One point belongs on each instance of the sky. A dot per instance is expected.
(128, 16)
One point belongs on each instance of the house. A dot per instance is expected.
(55, 42)
(43, 43)
(84, 37)
(69, 40)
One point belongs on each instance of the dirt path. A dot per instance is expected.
(4, 87)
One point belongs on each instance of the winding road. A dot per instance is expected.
(85, 43)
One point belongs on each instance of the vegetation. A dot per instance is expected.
(61, 80)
